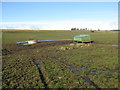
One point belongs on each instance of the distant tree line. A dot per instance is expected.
(115, 30)
(79, 29)
(82, 29)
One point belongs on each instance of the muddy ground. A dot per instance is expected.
(12, 48)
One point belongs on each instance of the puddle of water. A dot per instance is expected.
(42, 60)
(36, 62)
(38, 65)
(103, 71)
(84, 68)
(40, 73)
(70, 67)
(109, 76)
(110, 71)
(73, 69)
(60, 62)
(78, 73)
(94, 71)
(90, 82)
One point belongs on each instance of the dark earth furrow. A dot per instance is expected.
(40, 73)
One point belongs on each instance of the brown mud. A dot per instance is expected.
(13, 48)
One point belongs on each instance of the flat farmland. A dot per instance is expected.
(48, 65)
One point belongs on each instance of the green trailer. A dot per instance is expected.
(82, 38)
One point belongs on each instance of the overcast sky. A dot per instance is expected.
(60, 15)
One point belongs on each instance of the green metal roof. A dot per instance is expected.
(82, 35)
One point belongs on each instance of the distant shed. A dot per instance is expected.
(82, 38)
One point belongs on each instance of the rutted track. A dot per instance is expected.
(40, 73)
(48, 44)
(78, 73)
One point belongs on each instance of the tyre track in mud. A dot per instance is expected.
(42, 78)
(76, 72)
(47, 44)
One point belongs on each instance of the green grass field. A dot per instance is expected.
(94, 66)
